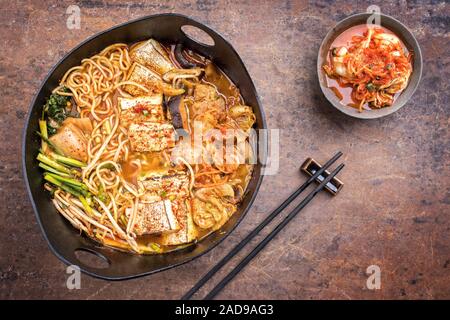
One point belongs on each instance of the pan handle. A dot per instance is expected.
(103, 262)
(197, 35)
(90, 258)
(201, 38)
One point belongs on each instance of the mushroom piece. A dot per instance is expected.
(174, 106)
(175, 74)
(184, 61)
(238, 193)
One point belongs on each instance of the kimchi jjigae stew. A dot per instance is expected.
(145, 147)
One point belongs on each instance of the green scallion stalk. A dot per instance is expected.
(53, 170)
(49, 143)
(72, 182)
(79, 187)
(62, 186)
(68, 161)
(44, 133)
(85, 204)
(43, 128)
(52, 163)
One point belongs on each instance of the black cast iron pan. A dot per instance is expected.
(63, 239)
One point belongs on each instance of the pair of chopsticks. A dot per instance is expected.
(269, 237)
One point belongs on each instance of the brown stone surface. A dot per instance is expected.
(394, 208)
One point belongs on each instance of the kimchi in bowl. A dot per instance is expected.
(363, 92)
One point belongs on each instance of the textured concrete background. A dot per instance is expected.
(393, 211)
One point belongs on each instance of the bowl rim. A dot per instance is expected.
(24, 144)
(379, 113)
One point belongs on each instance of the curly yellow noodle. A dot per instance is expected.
(95, 85)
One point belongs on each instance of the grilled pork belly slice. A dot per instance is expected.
(141, 109)
(188, 232)
(171, 186)
(150, 137)
(155, 217)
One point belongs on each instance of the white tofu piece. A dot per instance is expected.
(152, 55)
(141, 109)
(151, 137)
(145, 77)
(127, 103)
(188, 231)
(154, 218)
(171, 186)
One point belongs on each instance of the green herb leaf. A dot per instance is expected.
(55, 108)
(371, 87)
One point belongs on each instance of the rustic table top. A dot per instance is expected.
(393, 211)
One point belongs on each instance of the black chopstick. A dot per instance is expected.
(257, 229)
(271, 235)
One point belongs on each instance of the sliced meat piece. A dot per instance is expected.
(209, 112)
(209, 107)
(204, 92)
(149, 136)
(141, 109)
(154, 218)
(208, 121)
(188, 232)
(152, 55)
(171, 186)
(71, 141)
